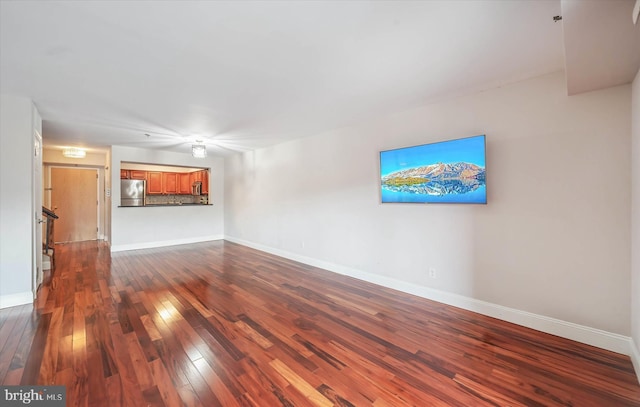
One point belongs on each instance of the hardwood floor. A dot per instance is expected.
(218, 324)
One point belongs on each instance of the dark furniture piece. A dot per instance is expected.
(49, 244)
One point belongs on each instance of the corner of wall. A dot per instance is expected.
(635, 357)
(635, 223)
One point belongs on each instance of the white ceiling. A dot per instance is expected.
(244, 74)
(602, 45)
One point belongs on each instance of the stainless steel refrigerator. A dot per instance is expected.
(132, 192)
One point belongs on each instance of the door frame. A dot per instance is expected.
(37, 274)
(49, 166)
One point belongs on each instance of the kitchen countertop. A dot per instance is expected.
(169, 204)
(178, 204)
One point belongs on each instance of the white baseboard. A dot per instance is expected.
(580, 333)
(635, 357)
(163, 243)
(12, 300)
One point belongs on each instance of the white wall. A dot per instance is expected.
(635, 223)
(142, 227)
(18, 119)
(554, 239)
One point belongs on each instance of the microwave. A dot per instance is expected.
(196, 188)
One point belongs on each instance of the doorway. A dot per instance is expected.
(74, 198)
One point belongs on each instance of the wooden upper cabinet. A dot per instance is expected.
(185, 183)
(133, 174)
(205, 181)
(201, 176)
(170, 182)
(137, 174)
(154, 183)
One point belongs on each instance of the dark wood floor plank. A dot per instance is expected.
(130, 386)
(199, 386)
(141, 367)
(189, 396)
(10, 318)
(219, 324)
(48, 367)
(16, 326)
(167, 390)
(12, 377)
(115, 396)
(34, 345)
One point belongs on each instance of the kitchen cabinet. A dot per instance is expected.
(160, 182)
(133, 174)
(201, 176)
(137, 174)
(205, 182)
(184, 187)
(154, 183)
(169, 182)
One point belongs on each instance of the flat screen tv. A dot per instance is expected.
(450, 171)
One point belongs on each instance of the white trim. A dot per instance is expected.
(99, 226)
(635, 358)
(580, 333)
(12, 300)
(163, 243)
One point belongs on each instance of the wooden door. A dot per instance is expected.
(74, 198)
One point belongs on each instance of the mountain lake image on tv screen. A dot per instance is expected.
(445, 172)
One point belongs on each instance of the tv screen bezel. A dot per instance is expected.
(486, 195)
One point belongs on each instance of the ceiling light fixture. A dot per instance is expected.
(199, 150)
(73, 152)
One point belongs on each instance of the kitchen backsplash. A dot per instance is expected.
(176, 199)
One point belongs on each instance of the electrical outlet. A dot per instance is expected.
(432, 273)
(302, 244)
